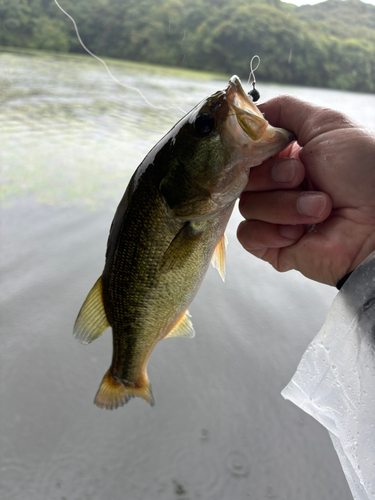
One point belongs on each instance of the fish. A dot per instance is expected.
(168, 227)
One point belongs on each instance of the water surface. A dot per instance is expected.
(71, 139)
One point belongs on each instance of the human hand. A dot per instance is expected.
(312, 207)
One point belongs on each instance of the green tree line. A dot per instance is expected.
(331, 44)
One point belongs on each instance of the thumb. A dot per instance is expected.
(305, 119)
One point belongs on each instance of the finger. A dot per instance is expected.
(291, 151)
(282, 173)
(306, 120)
(286, 207)
(257, 236)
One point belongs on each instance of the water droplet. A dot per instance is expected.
(270, 492)
(238, 464)
(204, 434)
(178, 488)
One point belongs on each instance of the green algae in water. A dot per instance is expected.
(70, 135)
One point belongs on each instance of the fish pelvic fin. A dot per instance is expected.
(112, 394)
(218, 257)
(183, 328)
(92, 319)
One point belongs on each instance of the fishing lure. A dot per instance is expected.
(254, 93)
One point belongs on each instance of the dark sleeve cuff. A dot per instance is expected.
(340, 283)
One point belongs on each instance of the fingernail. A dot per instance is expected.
(290, 232)
(284, 171)
(311, 204)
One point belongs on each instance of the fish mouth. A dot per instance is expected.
(253, 123)
(250, 138)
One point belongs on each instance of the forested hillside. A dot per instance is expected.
(331, 44)
(340, 18)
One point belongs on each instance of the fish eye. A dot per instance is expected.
(204, 124)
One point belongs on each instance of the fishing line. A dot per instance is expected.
(108, 70)
(254, 94)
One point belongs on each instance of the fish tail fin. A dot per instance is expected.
(112, 394)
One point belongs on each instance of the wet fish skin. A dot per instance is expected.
(165, 231)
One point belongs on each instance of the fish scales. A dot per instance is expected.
(167, 228)
(140, 299)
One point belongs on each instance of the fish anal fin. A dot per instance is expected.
(183, 328)
(218, 257)
(112, 393)
(92, 319)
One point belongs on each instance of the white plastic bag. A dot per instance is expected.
(335, 380)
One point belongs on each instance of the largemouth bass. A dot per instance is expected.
(167, 228)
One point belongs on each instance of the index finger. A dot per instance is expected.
(305, 119)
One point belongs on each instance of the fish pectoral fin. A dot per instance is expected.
(180, 247)
(218, 257)
(112, 393)
(183, 328)
(92, 319)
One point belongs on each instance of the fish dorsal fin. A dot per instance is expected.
(218, 257)
(92, 319)
(184, 327)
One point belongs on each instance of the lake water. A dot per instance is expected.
(70, 140)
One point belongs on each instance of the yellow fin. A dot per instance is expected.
(92, 319)
(184, 328)
(112, 394)
(218, 257)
